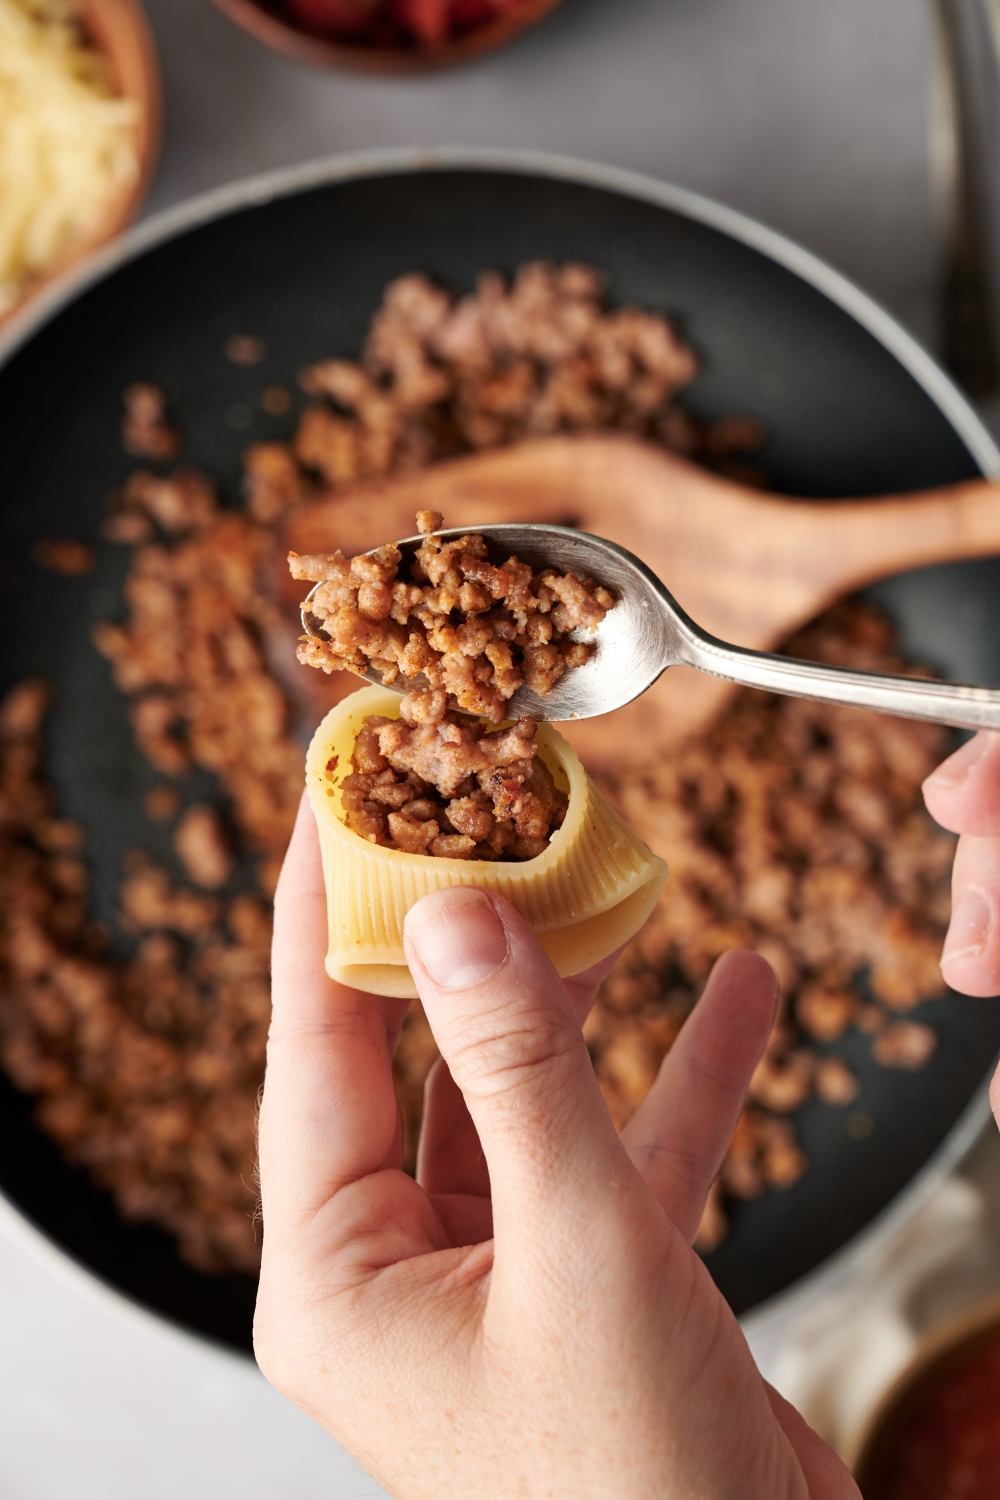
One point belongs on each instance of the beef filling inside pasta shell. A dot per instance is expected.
(588, 892)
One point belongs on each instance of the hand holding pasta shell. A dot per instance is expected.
(527, 1318)
(433, 789)
(585, 893)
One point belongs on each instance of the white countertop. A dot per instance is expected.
(810, 116)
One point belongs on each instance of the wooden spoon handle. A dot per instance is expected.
(867, 539)
(772, 564)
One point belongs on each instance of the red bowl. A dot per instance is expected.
(942, 1412)
(307, 46)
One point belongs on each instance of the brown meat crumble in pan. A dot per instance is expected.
(490, 798)
(792, 828)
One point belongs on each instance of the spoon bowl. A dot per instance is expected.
(634, 642)
(647, 631)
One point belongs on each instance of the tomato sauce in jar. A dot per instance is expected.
(940, 1439)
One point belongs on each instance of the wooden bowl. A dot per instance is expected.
(119, 29)
(310, 47)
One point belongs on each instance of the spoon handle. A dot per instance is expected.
(907, 697)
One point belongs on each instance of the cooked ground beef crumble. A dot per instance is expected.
(451, 789)
(793, 828)
(540, 354)
(146, 432)
(436, 782)
(474, 631)
(146, 1069)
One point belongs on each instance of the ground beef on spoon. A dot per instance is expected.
(474, 630)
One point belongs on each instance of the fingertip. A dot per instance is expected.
(975, 975)
(302, 867)
(582, 988)
(750, 968)
(598, 972)
(455, 938)
(449, 1154)
(733, 1018)
(737, 1008)
(963, 794)
(995, 1094)
(745, 981)
(941, 802)
(951, 773)
(680, 1133)
(970, 961)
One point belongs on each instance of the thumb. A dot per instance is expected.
(508, 1031)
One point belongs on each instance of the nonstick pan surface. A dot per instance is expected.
(851, 408)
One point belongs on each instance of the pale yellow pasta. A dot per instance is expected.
(590, 891)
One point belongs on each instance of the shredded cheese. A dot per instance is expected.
(67, 147)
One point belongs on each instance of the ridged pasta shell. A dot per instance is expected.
(590, 891)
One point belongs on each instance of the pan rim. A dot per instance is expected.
(775, 1316)
(761, 1323)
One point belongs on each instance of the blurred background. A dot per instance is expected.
(814, 118)
(837, 125)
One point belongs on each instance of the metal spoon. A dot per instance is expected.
(647, 631)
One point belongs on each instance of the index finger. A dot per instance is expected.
(963, 794)
(328, 1114)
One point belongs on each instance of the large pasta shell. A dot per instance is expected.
(590, 891)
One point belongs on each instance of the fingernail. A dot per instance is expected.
(969, 927)
(953, 771)
(458, 937)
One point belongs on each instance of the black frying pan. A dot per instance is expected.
(851, 406)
